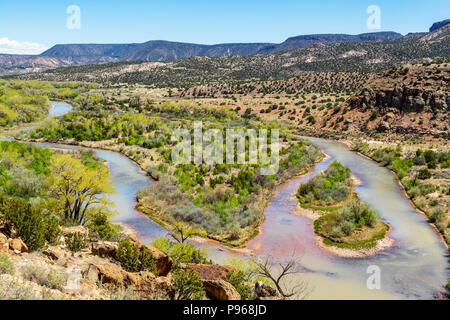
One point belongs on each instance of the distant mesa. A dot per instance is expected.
(64, 55)
(159, 50)
(439, 25)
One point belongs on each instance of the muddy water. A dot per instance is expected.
(414, 268)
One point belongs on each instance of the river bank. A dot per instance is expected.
(351, 146)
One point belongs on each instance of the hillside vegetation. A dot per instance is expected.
(28, 101)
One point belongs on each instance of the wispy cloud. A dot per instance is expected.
(16, 47)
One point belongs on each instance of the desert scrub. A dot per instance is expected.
(45, 277)
(392, 158)
(14, 289)
(227, 200)
(6, 266)
(114, 293)
(240, 280)
(355, 226)
(424, 175)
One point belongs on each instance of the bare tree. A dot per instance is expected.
(281, 274)
(181, 232)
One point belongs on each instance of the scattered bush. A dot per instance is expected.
(240, 281)
(437, 214)
(355, 215)
(100, 228)
(188, 285)
(135, 258)
(424, 174)
(16, 290)
(76, 241)
(182, 252)
(44, 277)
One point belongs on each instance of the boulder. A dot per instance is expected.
(107, 273)
(55, 253)
(148, 286)
(18, 245)
(4, 244)
(88, 288)
(104, 249)
(220, 290)
(163, 261)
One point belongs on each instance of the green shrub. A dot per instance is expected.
(135, 258)
(6, 266)
(331, 186)
(100, 228)
(182, 252)
(123, 294)
(76, 241)
(436, 214)
(34, 227)
(239, 281)
(52, 228)
(432, 165)
(424, 174)
(188, 285)
(16, 290)
(401, 167)
(355, 215)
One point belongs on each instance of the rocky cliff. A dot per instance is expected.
(396, 97)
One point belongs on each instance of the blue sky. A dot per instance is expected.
(30, 26)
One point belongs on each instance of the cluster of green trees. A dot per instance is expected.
(401, 165)
(96, 127)
(42, 191)
(27, 101)
(223, 199)
(19, 104)
(328, 188)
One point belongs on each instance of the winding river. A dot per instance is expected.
(416, 266)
